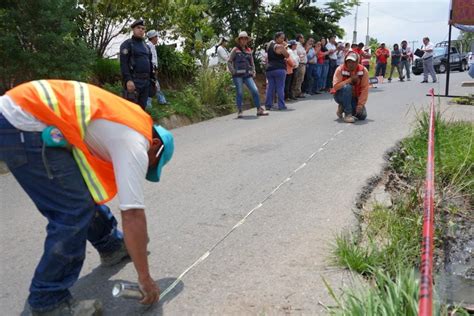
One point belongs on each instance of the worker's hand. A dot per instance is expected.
(354, 79)
(150, 290)
(130, 86)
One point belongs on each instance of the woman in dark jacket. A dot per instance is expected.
(242, 68)
(276, 71)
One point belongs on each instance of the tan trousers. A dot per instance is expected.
(298, 80)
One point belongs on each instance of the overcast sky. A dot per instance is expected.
(393, 21)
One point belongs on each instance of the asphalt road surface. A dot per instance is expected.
(246, 212)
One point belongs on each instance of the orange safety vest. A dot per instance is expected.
(346, 74)
(71, 106)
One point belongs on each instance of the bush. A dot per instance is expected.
(106, 71)
(115, 88)
(215, 91)
(175, 68)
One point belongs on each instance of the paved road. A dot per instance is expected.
(258, 200)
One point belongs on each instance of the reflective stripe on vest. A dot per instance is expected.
(83, 106)
(47, 95)
(95, 187)
(83, 113)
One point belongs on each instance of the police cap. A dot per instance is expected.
(137, 23)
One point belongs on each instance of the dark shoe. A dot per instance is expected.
(301, 96)
(283, 109)
(401, 80)
(268, 108)
(109, 259)
(262, 112)
(389, 80)
(294, 99)
(435, 81)
(424, 81)
(408, 79)
(74, 308)
(240, 114)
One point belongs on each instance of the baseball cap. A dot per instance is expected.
(352, 56)
(154, 174)
(152, 34)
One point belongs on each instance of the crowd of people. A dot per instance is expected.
(294, 69)
(297, 68)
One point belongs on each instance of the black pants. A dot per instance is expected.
(141, 94)
(288, 83)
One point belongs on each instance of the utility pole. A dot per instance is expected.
(367, 37)
(413, 44)
(354, 38)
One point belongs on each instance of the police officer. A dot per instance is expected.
(136, 66)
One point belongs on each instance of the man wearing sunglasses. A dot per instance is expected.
(72, 147)
(136, 66)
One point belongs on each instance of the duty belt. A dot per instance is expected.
(141, 76)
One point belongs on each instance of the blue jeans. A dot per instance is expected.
(318, 73)
(276, 84)
(160, 97)
(345, 98)
(239, 85)
(324, 75)
(313, 78)
(380, 70)
(331, 71)
(63, 198)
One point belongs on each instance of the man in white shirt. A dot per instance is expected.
(300, 72)
(332, 49)
(152, 42)
(406, 59)
(53, 180)
(428, 68)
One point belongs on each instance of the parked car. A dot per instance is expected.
(440, 61)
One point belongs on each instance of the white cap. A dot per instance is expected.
(243, 34)
(352, 56)
(152, 34)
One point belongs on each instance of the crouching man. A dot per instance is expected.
(72, 147)
(351, 89)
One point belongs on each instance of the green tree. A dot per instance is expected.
(39, 40)
(466, 39)
(101, 21)
(298, 16)
(373, 44)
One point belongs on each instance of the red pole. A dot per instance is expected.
(426, 268)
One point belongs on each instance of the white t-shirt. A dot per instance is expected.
(124, 147)
(154, 55)
(301, 51)
(222, 55)
(294, 56)
(427, 54)
(333, 55)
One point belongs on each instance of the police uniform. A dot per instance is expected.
(136, 65)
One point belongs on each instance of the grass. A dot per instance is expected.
(391, 296)
(389, 240)
(211, 95)
(454, 157)
(387, 249)
(464, 100)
